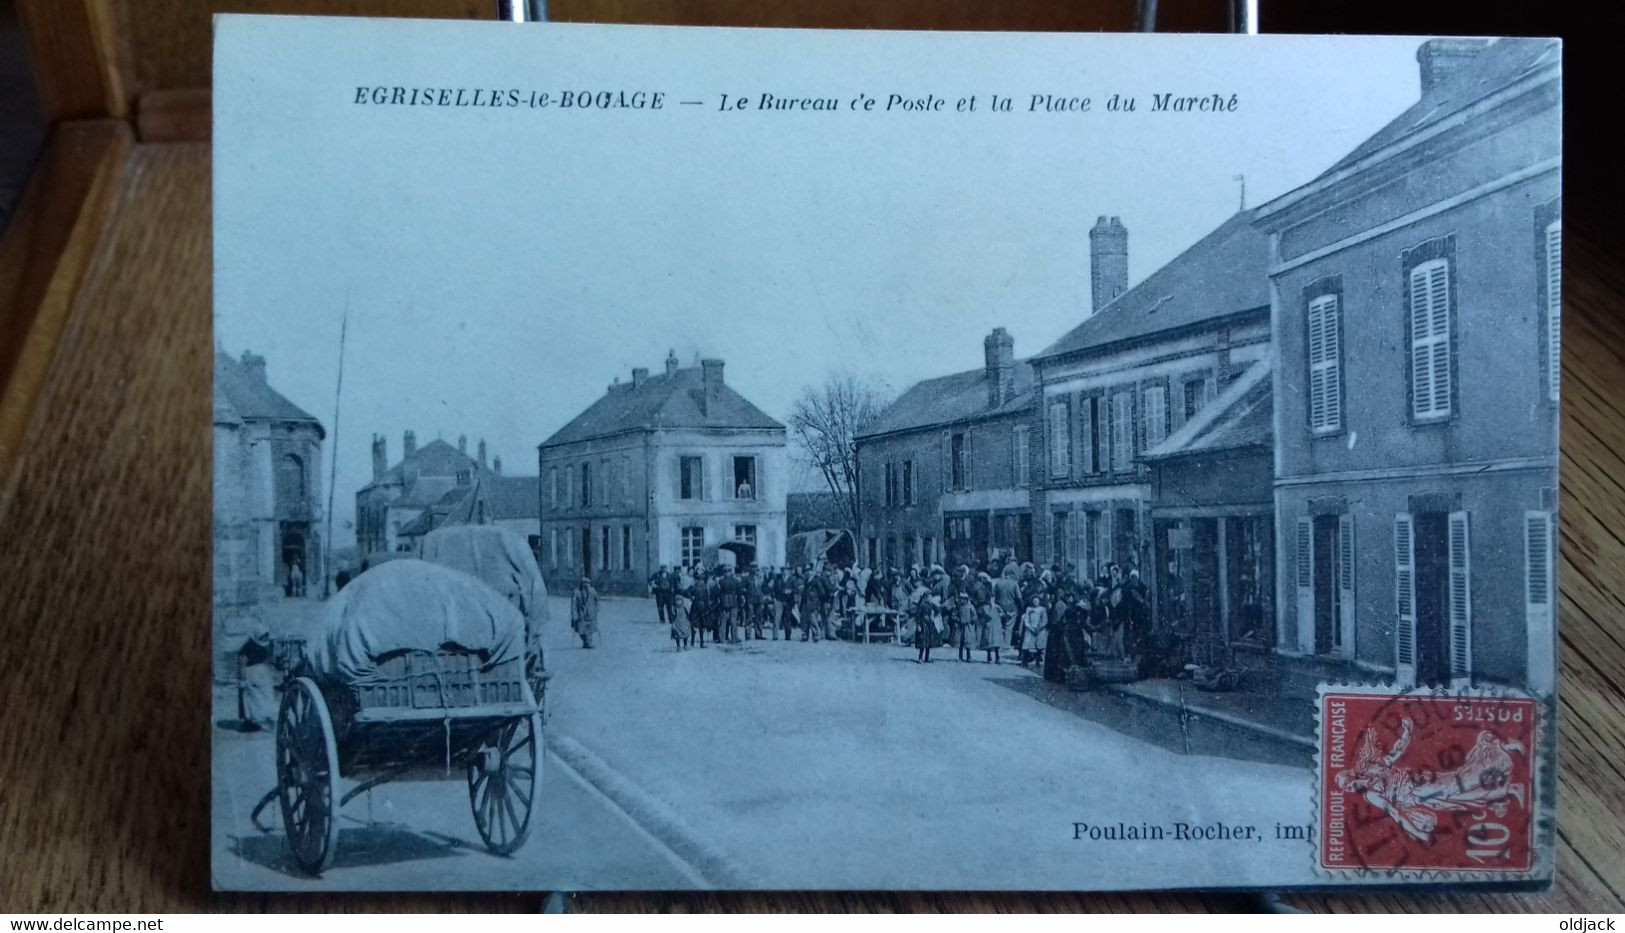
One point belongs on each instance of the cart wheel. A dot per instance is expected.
(503, 778)
(307, 773)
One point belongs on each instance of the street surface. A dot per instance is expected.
(795, 765)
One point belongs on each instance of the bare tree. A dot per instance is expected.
(825, 422)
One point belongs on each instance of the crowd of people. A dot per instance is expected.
(1047, 618)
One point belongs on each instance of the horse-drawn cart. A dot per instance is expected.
(419, 668)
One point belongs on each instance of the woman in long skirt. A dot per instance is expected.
(682, 628)
(993, 635)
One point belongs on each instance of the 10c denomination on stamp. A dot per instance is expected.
(1424, 781)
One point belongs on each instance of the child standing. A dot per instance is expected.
(964, 625)
(1033, 623)
(682, 629)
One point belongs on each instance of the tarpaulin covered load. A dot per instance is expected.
(410, 605)
(499, 558)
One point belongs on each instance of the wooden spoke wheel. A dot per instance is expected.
(307, 775)
(504, 776)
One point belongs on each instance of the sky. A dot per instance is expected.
(493, 270)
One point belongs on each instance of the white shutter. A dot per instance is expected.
(1325, 376)
(1086, 436)
(1060, 440)
(1020, 466)
(705, 477)
(1345, 581)
(1554, 306)
(1122, 431)
(1156, 415)
(1405, 600)
(970, 482)
(947, 463)
(1305, 556)
(1430, 339)
(1461, 602)
(1540, 600)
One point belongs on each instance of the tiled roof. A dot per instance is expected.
(663, 400)
(505, 497)
(251, 397)
(1223, 273)
(810, 511)
(513, 497)
(949, 399)
(436, 458)
(1503, 62)
(1243, 415)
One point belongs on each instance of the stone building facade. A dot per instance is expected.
(267, 486)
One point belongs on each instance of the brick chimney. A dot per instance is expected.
(1108, 262)
(640, 374)
(1443, 59)
(496, 465)
(409, 444)
(380, 456)
(482, 453)
(671, 362)
(999, 356)
(255, 364)
(462, 444)
(711, 380)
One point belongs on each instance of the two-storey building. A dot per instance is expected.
(1416, 310)
(944, 472)
(663, 470)
(1135, 371)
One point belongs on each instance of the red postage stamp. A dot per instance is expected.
(1426, 782)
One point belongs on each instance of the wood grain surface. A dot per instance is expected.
(104, 559)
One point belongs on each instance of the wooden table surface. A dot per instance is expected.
(105, 608)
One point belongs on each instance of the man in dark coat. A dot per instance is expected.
(663, 585)
(733, 597)
(812, 606)
(785, 592)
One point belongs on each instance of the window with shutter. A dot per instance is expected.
(1345, 584)
(1325, 376)
(1021, 467)
(1304, 554)
(1554, 308)
(1060, 440)
(1155, 406)
(1461, 602)
(1539, 556)
(1087, 462)
(1405, 599)
(1122, 431)
(1430, 339)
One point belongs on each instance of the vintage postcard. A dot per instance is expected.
(654, 458)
